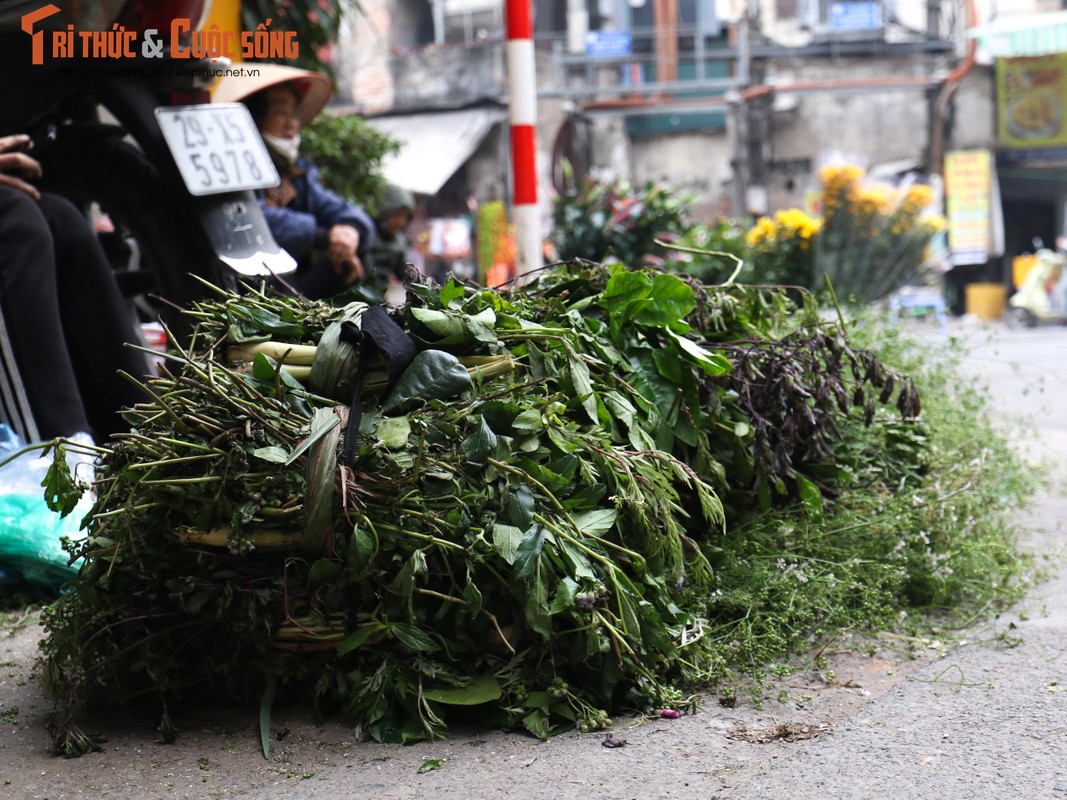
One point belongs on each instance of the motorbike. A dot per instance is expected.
(168, 177)
(1042, 295)
(139, 138)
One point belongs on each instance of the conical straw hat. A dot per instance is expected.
(313, 87)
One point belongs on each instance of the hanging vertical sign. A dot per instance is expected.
(968, 193)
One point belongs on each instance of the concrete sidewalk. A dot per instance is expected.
(988, 719)
(983, 720)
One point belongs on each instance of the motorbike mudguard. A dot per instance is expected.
(239, 235)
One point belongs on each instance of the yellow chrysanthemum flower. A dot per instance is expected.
(874, 198)
(798, 222)
(763, 232)
(919, 195)
(840, 175)
(935, 224)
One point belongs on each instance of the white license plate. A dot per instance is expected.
(217, 148)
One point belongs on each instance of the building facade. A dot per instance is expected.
(741, 102)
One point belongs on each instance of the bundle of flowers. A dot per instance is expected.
(874, 237)
(781, 248)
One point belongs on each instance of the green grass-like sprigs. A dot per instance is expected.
(921, 536)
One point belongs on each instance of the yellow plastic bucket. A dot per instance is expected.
(985, 300)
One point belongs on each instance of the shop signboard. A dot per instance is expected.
(968, 194)
(1031, 98)
(855, 16)
(608, 44)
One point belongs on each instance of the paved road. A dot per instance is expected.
(1026, 371)
(985, 720)
(988, 720)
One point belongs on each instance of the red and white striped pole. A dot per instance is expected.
(522, 113)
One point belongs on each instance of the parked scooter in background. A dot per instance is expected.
(1042, 296)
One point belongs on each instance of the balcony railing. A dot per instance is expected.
(681, 61)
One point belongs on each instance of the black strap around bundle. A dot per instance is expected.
(376, 332)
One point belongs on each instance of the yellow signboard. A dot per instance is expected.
(968, 175)
(1031, 97)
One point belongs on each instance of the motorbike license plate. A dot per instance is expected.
(217, 148)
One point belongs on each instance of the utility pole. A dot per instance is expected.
(665, 18)
(933, 27)
(933, 19)
(735, 130)
(438, 9)
(736, 117)
(522, 115)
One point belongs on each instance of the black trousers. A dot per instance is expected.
(67, 321)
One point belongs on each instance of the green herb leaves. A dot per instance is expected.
(528, 524)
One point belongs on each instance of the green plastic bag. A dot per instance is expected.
(30, 540)
(31, 548)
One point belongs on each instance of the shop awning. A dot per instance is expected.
(1023, 35)
(434, 145)
(890, 170)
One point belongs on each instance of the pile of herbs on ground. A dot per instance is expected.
(599, 493)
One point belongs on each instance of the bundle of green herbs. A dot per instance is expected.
(542, 524)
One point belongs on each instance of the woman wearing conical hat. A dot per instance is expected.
(330, 237)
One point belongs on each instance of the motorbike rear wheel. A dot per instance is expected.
(1018, 317)
(118, 177)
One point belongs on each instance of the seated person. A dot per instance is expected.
(390, 251)
(330, 238)
(64, 315)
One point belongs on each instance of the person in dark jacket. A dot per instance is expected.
(395, 213)
(330, 238)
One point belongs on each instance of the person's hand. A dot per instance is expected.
(341, 250)
(16, 165)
